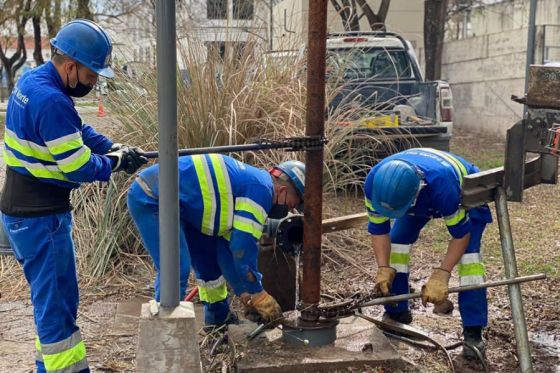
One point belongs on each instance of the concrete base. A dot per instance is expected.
(168, 341)
(358, 344)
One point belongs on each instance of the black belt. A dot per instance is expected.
(27, 196)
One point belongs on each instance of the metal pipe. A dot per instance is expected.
(168, 169)
(530, 45)
(457, 289)
(514, 290)
(227, 149)
(315, 126)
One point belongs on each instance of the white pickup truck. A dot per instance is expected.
(379, 84)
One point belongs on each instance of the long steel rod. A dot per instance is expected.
(224, 149)
(514, 290)
(457, 289)
(168, 166)
(315, 126)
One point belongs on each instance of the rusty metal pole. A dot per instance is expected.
(315, 126)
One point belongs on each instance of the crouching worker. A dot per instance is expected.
(413, 187)
(223, 206)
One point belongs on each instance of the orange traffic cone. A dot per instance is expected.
(100, 111)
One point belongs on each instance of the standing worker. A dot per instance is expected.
(413, 187)
(223, 206)
(49, 152)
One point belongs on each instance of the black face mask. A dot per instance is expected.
(80, 90)
(278, 211)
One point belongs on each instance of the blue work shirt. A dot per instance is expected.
(440, 197)
(45, 137)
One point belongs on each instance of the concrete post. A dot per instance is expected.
(167, 342)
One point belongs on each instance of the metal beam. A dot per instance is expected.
(315, 126)
(168, 159)
(515, 297)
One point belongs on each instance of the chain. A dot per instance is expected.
(341, 308)
(294, 143)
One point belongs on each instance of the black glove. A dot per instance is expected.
(127, 159)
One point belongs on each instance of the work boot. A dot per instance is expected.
(472, 336)
(404, 317)
(231, 319)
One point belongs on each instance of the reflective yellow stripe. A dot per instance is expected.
(66, 358)
(17, 144)
(250, 206)
(65, 143)
(38, 170)
(212, 295)
(248, 226)
(455, 218)
(457, 165)
(66, 355)
(377, 219)
(207, 191)
(471, 269)
(76, 160)
(399, 258)
(368, 204)
(224, 190)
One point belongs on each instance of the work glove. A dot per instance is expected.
(127, 159)
(264, 305)
(436, 289)
(384, 280)
(116, 146)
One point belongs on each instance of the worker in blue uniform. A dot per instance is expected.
(48, 152)
(413, 187)
(223, 204)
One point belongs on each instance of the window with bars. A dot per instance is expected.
(243, 9)
(216, 9)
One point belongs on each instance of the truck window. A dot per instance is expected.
(369, 63)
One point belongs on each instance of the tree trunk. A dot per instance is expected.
(15, 62)
(83, 10)
(53, 20)
(435, 13)
(375, 21)
(38, 48)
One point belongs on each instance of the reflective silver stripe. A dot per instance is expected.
(64, 139)
(401, 268)
(213, 284)
(65, 344)
(400, 248)
(75, 368)
(144, 186)
(33, 166)
(471, 258)
(470, 280)
(27, 143)
(38, 356)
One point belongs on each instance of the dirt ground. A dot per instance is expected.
(348, 266)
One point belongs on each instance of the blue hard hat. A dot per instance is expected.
(395, 187)
(86, 42)
(295, 170)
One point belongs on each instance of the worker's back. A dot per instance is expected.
(211, 185)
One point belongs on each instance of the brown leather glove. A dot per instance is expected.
(263, 304)
(436, 289)
(384, 280)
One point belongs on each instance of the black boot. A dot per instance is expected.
(404, 317)
(472, 338)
